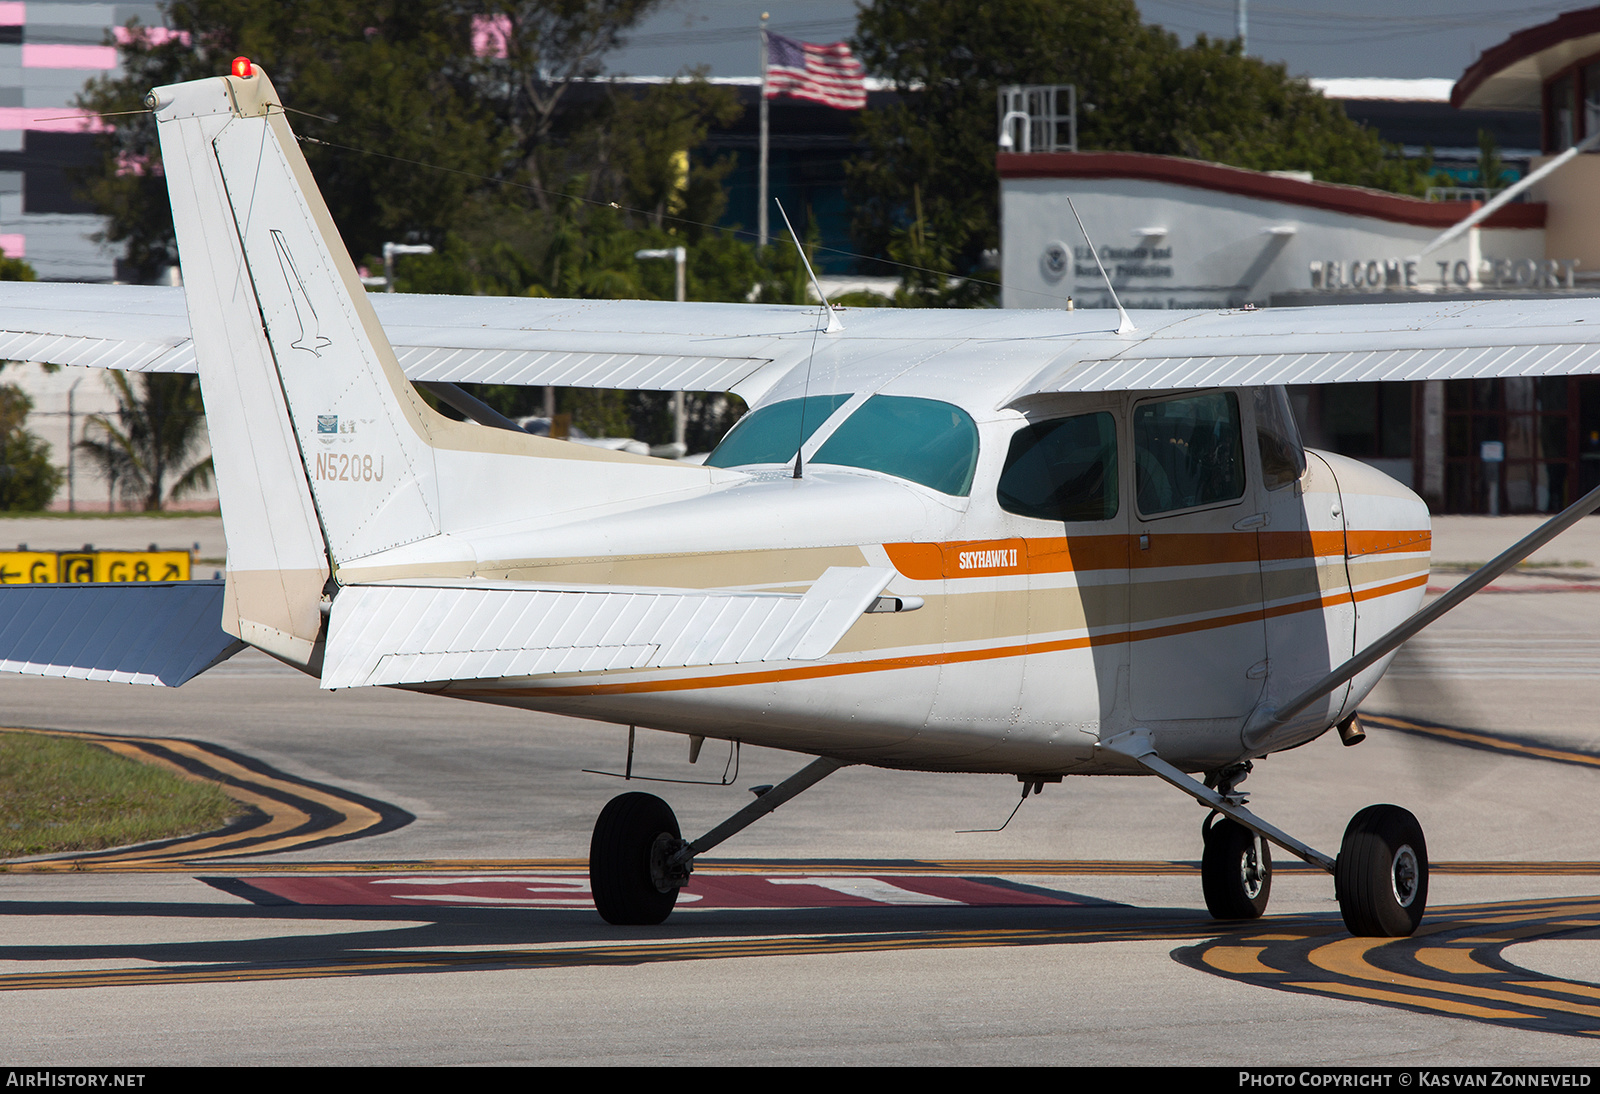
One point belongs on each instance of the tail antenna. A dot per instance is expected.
(1126, 326)
(834, 325)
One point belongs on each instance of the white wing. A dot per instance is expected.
(135, 327)
(639, 344)
(652, 345)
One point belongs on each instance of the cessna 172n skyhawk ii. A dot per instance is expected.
(988, 541)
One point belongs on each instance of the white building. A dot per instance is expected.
(1177, 233)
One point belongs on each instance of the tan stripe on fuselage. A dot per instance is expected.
(1072, 589)
(774, 568)
(742, 678)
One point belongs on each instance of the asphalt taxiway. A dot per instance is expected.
(411, 892)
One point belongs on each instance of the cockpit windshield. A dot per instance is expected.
(774, 433)
(923, 440)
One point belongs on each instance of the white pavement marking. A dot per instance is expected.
(1527, 655)
(865, 888)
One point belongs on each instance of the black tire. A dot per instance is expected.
(621, 878)
(1382, 873)
(1235, 871)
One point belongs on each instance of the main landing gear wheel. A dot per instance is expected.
(1382, 873)
(1235, 870)
(628, 874)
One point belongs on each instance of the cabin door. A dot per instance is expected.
(1197, 645)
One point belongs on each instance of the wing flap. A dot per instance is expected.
(1249, 370)
(1444, 340)
(162, 633)
(563, 368)
(419, 634)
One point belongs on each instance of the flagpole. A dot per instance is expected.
(761, 195)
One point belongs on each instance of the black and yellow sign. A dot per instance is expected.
(43, 567)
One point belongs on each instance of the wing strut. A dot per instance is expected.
(1136, 745)
(470, 405)
(804, 779)
(1261, 727)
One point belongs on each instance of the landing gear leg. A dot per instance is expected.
(1380, 876)
(638, 859)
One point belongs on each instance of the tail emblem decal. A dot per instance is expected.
(313, 341)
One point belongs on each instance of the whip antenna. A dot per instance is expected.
(833, 325)
(833, 319)
(1126, 326)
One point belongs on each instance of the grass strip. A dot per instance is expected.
(59, 794)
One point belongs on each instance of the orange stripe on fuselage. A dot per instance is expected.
(1390, 541)
(1065, 554)
(886, 664)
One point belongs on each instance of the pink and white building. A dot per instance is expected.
(48, 51)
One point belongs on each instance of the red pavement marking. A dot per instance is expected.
(703, 891)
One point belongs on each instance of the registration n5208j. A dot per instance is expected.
(349, 467)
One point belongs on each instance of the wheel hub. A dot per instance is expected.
(1404, 876)
(663, 875)
(1250, 869)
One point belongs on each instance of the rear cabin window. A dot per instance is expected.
(1188, 452)
(1064, 469)
(923, 440)
(773, 434)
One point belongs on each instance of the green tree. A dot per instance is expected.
(535, 51)
(28, 480)
(15, 269)
(539, 194)
(1140, 90)
(636, 184)
(153, 437)
(1209, 102)
(644, 154)
(385, 76)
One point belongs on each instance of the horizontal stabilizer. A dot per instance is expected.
(162, 633)
(416, 634)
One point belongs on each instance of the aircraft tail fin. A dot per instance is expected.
(278, 563)
(275, 303)
(324, 452)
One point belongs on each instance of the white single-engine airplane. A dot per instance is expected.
(985, 541)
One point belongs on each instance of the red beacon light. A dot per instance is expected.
(242, 68)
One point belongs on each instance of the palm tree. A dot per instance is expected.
(158, 427)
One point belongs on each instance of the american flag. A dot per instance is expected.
(828, 74)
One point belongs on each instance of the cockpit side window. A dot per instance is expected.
(773, 434)
(1283, 457)
(1065, 469)
(1188, 452)
(923, 440)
